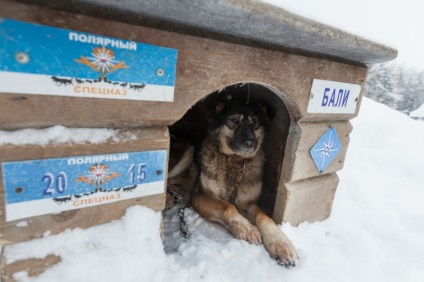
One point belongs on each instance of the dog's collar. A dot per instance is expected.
(235, 159)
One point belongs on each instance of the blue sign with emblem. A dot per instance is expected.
(39, 187)
(55, 61)
(326, 149)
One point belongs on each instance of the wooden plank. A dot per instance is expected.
(34, 266)
(153, 138)
(34, 227)
(204, 66)
(306, 200)
(298, 163)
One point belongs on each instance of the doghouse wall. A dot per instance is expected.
(136, 140)
(206, 66)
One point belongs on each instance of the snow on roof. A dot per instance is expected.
(250, 22)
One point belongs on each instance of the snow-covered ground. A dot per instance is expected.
(418, 113)
(375, 231)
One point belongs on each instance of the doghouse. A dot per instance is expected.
(150, 69)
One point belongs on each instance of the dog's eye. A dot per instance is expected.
(254, 122)
(235, 120)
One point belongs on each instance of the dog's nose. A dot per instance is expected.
(248, 144)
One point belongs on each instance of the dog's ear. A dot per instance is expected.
(264, 109)
(219, 107)
(212, 112)
(267, 113)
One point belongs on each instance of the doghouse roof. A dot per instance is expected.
(249, 22)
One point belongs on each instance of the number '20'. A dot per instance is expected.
(55, 183)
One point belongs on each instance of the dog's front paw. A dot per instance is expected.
(281, 249)
(174, 195)
(242, 229)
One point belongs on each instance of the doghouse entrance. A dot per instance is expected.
(193, 127)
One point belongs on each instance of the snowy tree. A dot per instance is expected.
(400, 88)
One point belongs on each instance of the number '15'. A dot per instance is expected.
(137, 173)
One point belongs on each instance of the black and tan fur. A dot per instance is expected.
(182, 172)
(230, 181)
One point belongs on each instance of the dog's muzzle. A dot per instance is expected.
(244, 141)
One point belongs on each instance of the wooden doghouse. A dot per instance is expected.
(310, 77)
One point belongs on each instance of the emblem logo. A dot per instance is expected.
(326, 149)
(98, 174)
(103, 61)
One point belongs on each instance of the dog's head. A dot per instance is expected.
(239, 129)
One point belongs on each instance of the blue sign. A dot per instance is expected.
(82, 64)
(75, 182)
(326, 149)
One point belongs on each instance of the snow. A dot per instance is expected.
(58, 134)
(22, 223)
(390, 22)
(375, 231)
(418, 113)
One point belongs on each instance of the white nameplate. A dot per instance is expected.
(331, 97)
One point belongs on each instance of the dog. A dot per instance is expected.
(231, 163)
(182, 172)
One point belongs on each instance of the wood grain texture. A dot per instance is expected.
(82, 218)
(204, 66)
(33, 266)
(298, 163)
(306, 200)
(143, 140)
